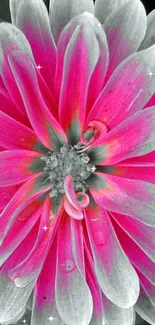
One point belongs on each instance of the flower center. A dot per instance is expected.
(69, 161)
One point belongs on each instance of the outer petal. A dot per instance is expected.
(45, 125)
(99, 73)
(19, 230)
(13, 299)
(32, 18)
(26, 194)
(147, 160)
(137, 257)
(15, 166)
(140, 173)
(143, 235)
(149, 38)
(15, 135)
(6, 193)
(115, 146)
(61, 15)
(125, 196)
(29, 269)
(44, 305)
(148, 287)
(120, 98)
(103, 8)
(116, 315)
(14, 5)
(80, 59)
(124, 36)
(119, 284)
(73, 298)
(145, 308)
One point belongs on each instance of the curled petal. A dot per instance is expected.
(78, 200)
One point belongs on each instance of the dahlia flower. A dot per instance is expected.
(77, 163)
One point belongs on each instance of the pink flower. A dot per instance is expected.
(77, 163)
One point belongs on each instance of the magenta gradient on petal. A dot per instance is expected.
(77, 164)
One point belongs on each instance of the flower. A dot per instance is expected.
(77, 163)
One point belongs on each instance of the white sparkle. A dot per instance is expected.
(24, 321)
(38, 66)
(45, 228)
(150, 73)
(51, 318)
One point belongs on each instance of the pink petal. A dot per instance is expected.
(119, 284)
(29, 269)
(98, 75)
(12, 38)
(8, 106)
(147, 160)
(124, 37)
(26, 194)
(114, 147)
(15, 166)
(136, 256)
(80, 60)
(140, 173)
(45, 125)
(44, 294)
(32, 18)
(143, 235)
(120, 98)
(130, 197)
(19, 230)
(73, 298)
(61, 15)
(6, 193)
(15, 135)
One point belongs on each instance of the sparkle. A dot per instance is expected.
(45, 228)
(51, 318)
(150, 73)
(38, 66)
(24, 321)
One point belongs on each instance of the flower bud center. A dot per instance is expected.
(68, 162)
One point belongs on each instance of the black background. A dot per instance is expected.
(5, 16)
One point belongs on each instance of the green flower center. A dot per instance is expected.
(69, 161)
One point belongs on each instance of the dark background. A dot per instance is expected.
(5, 16)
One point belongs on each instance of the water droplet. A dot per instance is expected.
(99, 238)
(69, 265)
